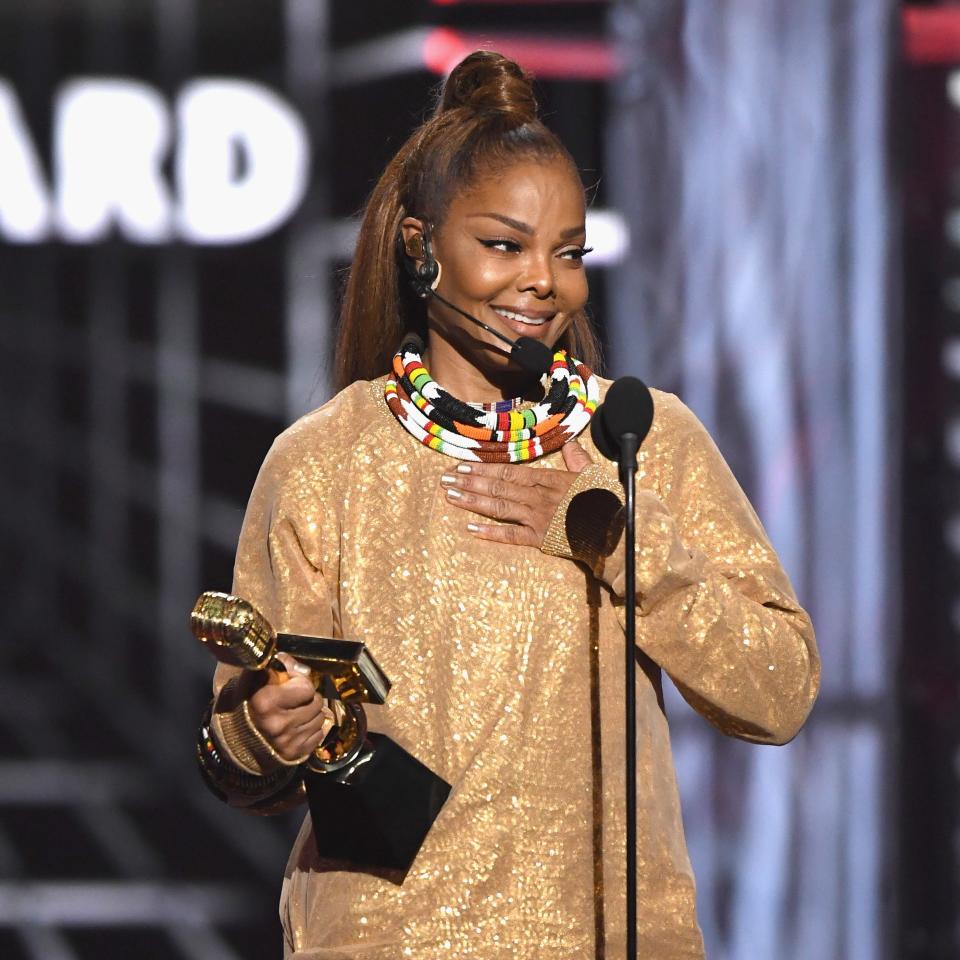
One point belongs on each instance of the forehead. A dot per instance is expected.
(537, 193)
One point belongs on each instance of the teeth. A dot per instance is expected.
(510, 315)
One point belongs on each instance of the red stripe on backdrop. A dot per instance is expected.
(932, 34)
(444, 48)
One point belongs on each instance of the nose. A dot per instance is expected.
(537, 276)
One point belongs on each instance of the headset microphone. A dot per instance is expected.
(532, 355)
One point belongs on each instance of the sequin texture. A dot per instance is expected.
(507, 666)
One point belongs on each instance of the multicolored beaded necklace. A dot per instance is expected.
(495, 433)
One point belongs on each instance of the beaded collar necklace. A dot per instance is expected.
(495, 433)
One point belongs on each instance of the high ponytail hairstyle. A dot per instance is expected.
(485, 119)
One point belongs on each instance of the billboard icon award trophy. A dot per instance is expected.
(371, 802)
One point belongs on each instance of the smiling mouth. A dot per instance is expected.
(536, 321)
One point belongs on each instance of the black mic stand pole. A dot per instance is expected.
(629, 444)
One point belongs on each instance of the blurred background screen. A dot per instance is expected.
(774, 193)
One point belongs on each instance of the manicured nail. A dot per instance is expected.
(301, 668)
(473, 528)
(448, 478)
(454, 494)
(464, 468)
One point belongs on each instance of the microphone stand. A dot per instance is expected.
(629, 444)
(618, 428)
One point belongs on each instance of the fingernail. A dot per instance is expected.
(454, 494)
(301, 668)
(448, 478)
(473, 528)
(464, 468)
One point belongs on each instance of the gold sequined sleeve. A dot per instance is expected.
(275, 572)
(716, 610)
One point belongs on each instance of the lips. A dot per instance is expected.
(525, 321)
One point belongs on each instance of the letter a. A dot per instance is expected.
(110, 141)
(24, 204)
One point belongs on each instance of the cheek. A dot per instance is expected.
(483, 275)
(574, 290)
(482, 280)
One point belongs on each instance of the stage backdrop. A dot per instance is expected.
(179, 181)
(748, 148)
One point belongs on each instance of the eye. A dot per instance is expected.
(503, 244)
(575, 253)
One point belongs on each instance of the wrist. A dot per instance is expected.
(238, 736)
(588, 521)
(233, 784)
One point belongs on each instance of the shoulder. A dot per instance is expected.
(673, 419)
(342, 417)
(677, 445)
(321, 443)
(675, 442)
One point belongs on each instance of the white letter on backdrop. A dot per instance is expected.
(24, 204)
(243, 161)
(110, 140)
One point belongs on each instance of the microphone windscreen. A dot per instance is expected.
(628, 408)
(412, 343)
(601, 439)
(532, 355)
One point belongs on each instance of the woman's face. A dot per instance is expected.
(511, 252)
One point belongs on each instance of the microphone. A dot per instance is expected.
(627, 411)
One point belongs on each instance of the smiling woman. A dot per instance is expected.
(448, 509)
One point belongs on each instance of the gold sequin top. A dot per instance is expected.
(507, 669)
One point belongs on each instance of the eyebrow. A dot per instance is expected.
(522, 227)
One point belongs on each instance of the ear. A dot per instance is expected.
(411, 229)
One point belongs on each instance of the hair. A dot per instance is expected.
(485, 118)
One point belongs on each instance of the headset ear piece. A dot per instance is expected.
(414, 247)
(424, 275)
(429, 272)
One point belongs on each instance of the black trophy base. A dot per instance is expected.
(376, 812)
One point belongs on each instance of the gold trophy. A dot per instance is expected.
(372, 803)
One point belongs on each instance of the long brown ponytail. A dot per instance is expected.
(486, 117)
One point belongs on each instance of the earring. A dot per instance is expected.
(414, 247)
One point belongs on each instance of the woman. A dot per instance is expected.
(489, 590)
